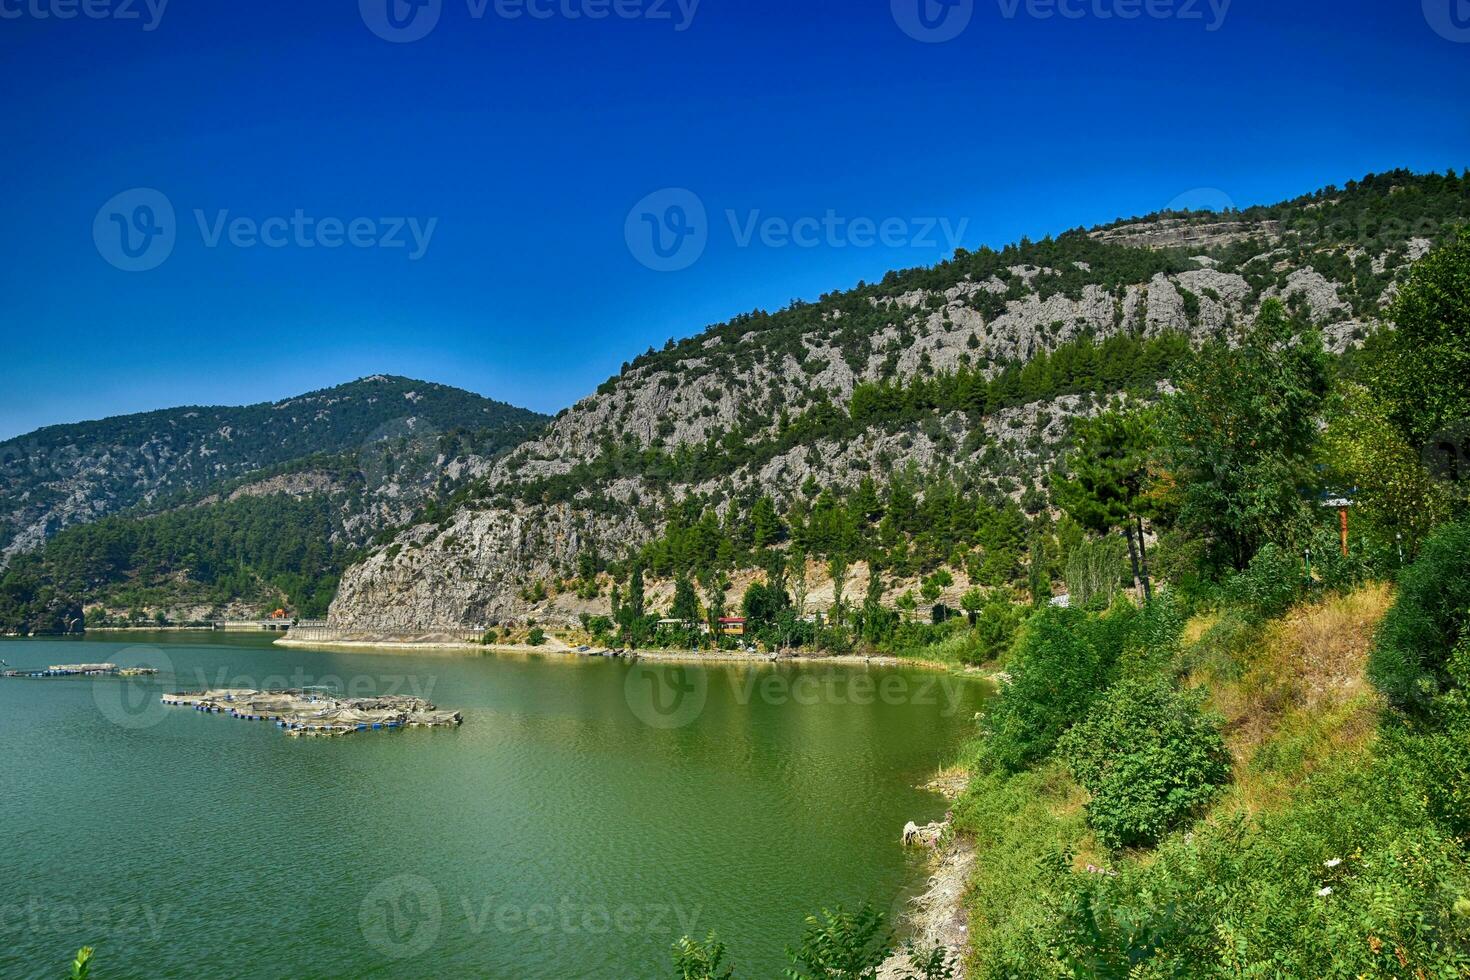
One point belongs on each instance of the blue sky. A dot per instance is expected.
(520, 145)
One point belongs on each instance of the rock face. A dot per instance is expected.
(751, 375)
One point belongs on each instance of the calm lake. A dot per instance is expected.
(586, 814)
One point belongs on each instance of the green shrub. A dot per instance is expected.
(1056, 674)
(1112, 632)
(701, 960)
(995, 629)
(1411, 652)
(1350, 879)
(1155, 636)
(536, 637)
(1273, 583)
(1150, 757)
(842, 945)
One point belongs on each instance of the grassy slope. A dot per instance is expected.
(1237, 893)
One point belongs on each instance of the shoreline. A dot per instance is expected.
(653, 656)
(155, 629)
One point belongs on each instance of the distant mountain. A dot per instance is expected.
(907, 424)
(64, 475)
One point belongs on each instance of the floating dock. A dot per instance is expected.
(305, 712)
(83, 670)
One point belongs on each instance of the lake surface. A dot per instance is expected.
(586, 815)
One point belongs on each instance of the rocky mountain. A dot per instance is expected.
(974, 367)
(65, 475)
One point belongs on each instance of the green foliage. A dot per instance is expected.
(1149, 756)
(1094, 570)
(81, 967)
(1411, 653)
(1270, 585)
(696, 960)
(1239, 433)
(1353, 879)
(1109, 471)
(537, 636)
(995, 630)
(686, 601)
(841, 945)
(1424, 373)
(255, 548)
(1056, 674)
(1397, 501)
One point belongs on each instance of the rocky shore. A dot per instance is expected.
(937, 917)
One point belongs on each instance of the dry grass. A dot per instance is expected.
(1299, 694)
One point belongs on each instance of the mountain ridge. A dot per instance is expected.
(765, 404)
(71, 473)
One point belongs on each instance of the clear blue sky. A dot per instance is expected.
(530, 139)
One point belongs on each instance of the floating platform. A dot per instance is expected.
(83, 670)
(305, 712)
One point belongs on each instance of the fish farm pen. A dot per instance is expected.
(83, 670)
(303, 712)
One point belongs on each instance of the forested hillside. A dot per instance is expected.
(370, 455)
(71, 474)
(894, 441)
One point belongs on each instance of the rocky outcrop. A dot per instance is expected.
(474, 567)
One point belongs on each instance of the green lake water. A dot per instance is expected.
(586, 814)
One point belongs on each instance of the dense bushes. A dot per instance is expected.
(1411, 656)
(1270, 584)
(1056, 673)
(1149, 756)
(1352, 879)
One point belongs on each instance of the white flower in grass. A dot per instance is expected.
(1333, 863)
(1324, 892)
